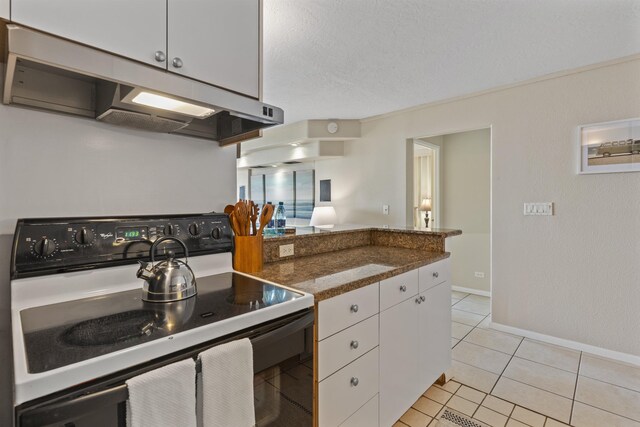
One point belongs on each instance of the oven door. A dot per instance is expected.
(283, 382)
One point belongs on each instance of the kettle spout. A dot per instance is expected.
(144, 272)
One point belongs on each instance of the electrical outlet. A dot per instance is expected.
(479, 274)
(286, 250)
(385, 209)
(538, 208)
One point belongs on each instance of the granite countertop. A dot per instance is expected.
(330, 274)
(349, 228)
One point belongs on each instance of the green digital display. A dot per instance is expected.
(132, 233)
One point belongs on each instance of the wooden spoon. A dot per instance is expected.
(265, 217)
(228, 209)
(247, 206)
(240, 213)
(234, 224)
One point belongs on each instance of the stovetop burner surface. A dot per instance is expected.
(62, 334)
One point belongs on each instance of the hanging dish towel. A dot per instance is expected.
(227, 385)
(165, 397)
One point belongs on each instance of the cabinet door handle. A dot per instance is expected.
(354, 308)
(418, 301)
(354, 344)
(422, 298)
(355, 381)
(403, 288)
(160, 56)
(177, 62)
(435, 274)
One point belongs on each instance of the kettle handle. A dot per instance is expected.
(152, 251)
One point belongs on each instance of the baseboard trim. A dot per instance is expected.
(471, 291)
(598, 351)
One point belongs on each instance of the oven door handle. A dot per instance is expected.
(284, 331)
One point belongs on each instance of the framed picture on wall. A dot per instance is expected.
(610, 147)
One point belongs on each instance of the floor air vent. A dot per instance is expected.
(451, 418)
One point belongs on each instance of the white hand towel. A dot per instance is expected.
(227, 385)
(164, 397)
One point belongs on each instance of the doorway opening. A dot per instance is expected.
(450, 187)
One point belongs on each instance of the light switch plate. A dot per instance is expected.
(538, 208)
(286, 250)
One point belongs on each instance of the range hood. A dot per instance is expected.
(50, 73)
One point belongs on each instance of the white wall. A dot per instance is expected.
(4, 9)
(55, 165)
(574, 275)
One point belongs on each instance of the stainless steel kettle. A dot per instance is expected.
(169, 280)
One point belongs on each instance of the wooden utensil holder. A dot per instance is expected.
(247, 256)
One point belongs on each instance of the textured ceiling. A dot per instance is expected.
(357, 58)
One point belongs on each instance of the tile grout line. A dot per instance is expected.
(547, 365)
(507, 365)
(609, 412)
(489, 348)
(537, 388)
(575, 389)
(608, 383)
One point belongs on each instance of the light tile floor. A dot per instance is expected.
(507, 380)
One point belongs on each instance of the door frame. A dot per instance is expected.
(435, 197)
(437, 189)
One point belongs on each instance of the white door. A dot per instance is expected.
(217, 42)
(399, 346)
(435, 333)
(136, 29)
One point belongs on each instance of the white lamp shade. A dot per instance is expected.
(323, 216)
(425, 205)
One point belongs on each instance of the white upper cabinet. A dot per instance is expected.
(4, 9)
(216, 41)
(136, 29)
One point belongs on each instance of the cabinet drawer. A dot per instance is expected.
(366, 416)
(398, 288)
(342, 348)
(343, 393)
(340, 312)
(433, 274)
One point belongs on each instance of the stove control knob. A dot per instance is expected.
(84, 236)
(44, 247)
(169, 230)
(216, 233)
(194, 229)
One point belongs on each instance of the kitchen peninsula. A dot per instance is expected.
(383, 318)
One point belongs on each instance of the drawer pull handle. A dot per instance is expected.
(418, 301)
(422, 298)
(355, 381)
(177, 62)
(354, 344)
(403, 288)
(354, 308)
(435, 274)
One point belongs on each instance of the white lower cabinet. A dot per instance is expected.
(367, 416)
(434, 329)
(340, 349)
(399, 346)
(381, 346)
(343, 393)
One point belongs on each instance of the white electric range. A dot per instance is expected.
(80, 327)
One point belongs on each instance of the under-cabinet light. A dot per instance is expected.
(165, 103)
